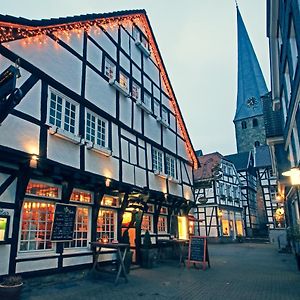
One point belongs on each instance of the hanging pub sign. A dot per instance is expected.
(198, 251)
(64, 222)
(8, 80)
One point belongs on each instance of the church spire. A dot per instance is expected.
(251, 82)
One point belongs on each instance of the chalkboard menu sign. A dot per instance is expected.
(64, 221)
(198, 252)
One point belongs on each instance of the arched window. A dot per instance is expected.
(255, 122)
(244, 125)
(256, 144)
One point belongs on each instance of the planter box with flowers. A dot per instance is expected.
(11, 288)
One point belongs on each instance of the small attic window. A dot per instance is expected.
(244, 125)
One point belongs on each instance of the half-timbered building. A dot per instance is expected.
(88, 118)
(218, 198)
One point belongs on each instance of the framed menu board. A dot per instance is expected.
(198, 251)
(64, 222)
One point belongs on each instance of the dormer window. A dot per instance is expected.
(110, 69)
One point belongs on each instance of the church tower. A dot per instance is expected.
(248, 120)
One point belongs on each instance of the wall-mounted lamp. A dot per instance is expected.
(294, 174)
(107, 182)
(33, 161)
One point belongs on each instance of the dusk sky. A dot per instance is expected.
(198, 43)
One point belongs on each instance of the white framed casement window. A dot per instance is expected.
(81, 237)
(157, 160)
(156, 109)
(170, 166)
(109, 69)
(124, 82)
(136, 91)
(162, 224)
(165, 117)
(63, 112)
(147, 223)
(107, 224)
(96, 130)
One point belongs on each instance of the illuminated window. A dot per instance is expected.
(150, 208)
(36, 223)
(110, 201)
(170, 165)
(136, 91)
(96, 130)
(107, 224)
(42, 190)
(162, 224)
(163, 210)
(81, 229)
(124, 81)
(110, 69)
(147, 222)
(63, 112)
(4, 225)
(81, 196)
(157, 160)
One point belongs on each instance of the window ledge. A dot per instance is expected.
(172, 179)
(145, 51)
(163, 122)
(160, 174)
(102, 150)
(144, 107)
(75, 139)
(70, 251)
(117, 86)
(36, 254)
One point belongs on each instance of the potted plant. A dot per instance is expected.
(11, 287)
(148, 254)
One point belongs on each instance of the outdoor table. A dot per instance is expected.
(174, 242)
(97, 246)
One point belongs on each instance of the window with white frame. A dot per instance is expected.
(157, 160)
(107, 224)
(36, 224)
(63, 112)
(147, 222)
(124, 82)
(162, 224)
(147, 100)
(136, 91)
(109, 69)
(82, 221)
(165, 115)
(156, 108)
(96, 130)
(170, 166)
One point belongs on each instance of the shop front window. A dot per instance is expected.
(106, 225)
(81, 229)
(36, 223)
(147, 222)
(42, 190)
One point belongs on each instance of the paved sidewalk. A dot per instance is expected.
(239, 271)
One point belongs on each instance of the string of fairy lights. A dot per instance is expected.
(29, 34)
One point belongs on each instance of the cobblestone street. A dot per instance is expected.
(238, 271)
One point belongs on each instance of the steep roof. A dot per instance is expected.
(240, 160)
(207, 164)
(251, 82)
(262, 157)
(12, 28)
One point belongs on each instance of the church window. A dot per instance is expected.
(244, 125)
(255, 122)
